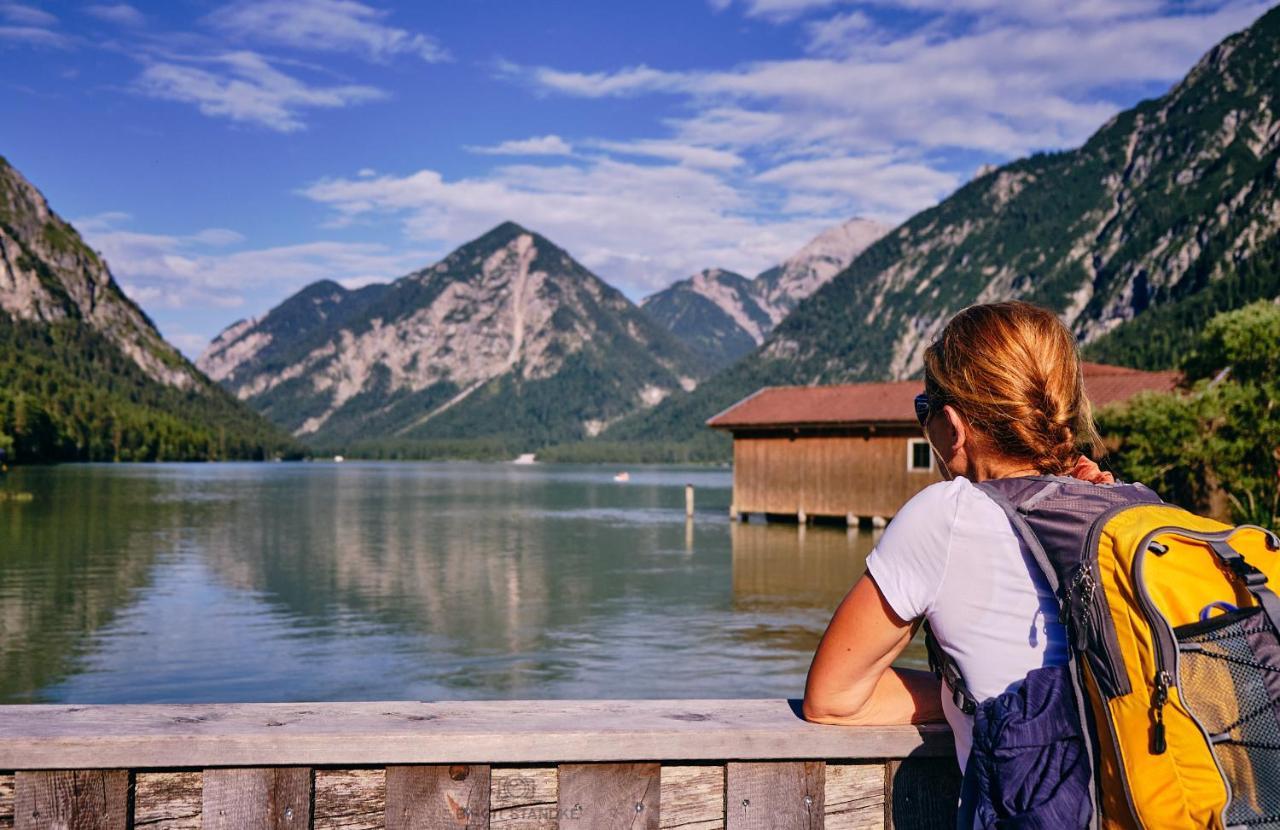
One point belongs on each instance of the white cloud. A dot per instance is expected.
(546, 145)
(880, 184)
(638, 226)
(245, 87)
(120, 13)
(324, 25)
(197, 270)
(1000, 81)
(776, 9)
(684, 153)
(630, 81)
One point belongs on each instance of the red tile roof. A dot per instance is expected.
(892, 402)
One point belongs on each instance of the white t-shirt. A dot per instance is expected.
(951, 556)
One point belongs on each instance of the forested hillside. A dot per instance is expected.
(84, 375)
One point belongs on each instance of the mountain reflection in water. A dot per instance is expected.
(403, 581)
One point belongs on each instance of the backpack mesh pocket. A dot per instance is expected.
(1229, 677)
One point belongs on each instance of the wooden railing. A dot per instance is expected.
(689, 764)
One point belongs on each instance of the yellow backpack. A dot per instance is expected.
(1175, 661)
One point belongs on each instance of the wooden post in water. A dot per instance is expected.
(688, 501)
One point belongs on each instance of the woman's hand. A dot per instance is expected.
(1087, 469)
(851, 680)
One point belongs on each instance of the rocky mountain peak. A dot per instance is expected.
(504, 316)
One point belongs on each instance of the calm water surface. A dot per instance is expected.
(282, 582)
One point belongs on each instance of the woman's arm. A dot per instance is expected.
(851, 680)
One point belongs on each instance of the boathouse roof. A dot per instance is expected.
(891, 403)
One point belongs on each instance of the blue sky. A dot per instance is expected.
(224, 154)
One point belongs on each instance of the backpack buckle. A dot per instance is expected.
(1249, 575)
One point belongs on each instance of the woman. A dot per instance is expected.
(1004, 397)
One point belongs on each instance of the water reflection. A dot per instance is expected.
(413, 581)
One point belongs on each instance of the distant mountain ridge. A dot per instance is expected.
(508, 339)
(84, 374)
(722, 315)
(1170, 212)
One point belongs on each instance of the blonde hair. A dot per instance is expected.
(1013, 371)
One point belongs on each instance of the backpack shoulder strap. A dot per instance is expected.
(944, 665)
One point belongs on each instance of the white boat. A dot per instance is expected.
(623, 476)
(337, 459)
(526, 458)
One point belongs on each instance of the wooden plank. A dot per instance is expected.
(72, 800)
(168, 800)
(437, 797)
(692, 797)
(350, 799)
(524, 798)
(6, 801)
(375, 734)
(921, 793)
(275, 798)
(854, 796)
(609, 796)
(774, 795)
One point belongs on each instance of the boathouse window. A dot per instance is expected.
(919, 456)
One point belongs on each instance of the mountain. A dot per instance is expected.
(507, 343)
(782, 287)
(1170, 212)
(715, 313)
(723, 316)
(84, 375)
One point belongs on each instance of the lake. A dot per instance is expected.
(379, 581)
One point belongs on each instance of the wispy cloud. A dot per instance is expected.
(119, 13)
(684, 153)
(324, 25)
(638, 225)
(1005, 84)
(209, 269)
(546, 145)
(30, 26)
(20, 15)
(245, 87)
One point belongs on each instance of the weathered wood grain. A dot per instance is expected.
(274, 798)
(72, 800)
(610, 796)
(6, 801)
(350, 799)
(854, 796)
(524, 798)
(783, 795)
(692, 797)
(373, 734)
(168, 800)
(921, 793)
(437, 797)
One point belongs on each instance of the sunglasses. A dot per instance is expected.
(922, 408)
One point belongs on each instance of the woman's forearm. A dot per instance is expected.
(899, 696)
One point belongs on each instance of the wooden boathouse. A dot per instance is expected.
(855, 452)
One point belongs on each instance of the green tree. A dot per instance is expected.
(1222, 434)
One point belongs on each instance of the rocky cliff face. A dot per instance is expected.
(723, 316)
(1170, 212)
(508, 337)
(48, 274)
